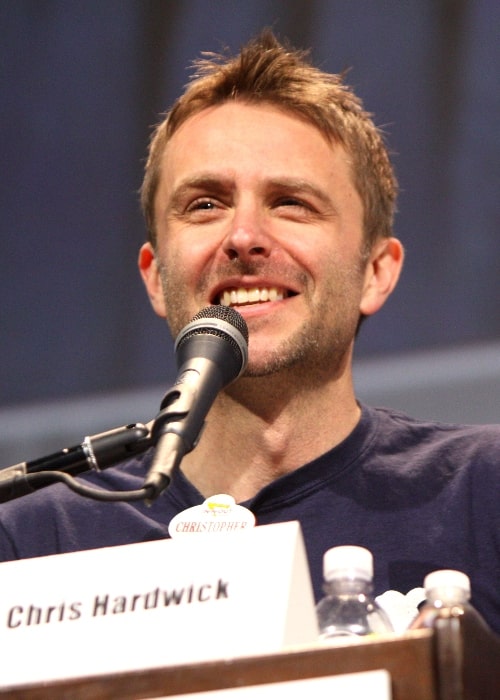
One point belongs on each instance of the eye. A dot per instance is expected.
(201, 204)
(203, 210)
(294, 207)
(293, 200)
(290, 202)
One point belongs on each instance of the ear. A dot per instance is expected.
(150, 274)
(381, 274)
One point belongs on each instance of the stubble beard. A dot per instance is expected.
(319, 348)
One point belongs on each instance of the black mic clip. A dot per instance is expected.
(175, 407)
(172, 435)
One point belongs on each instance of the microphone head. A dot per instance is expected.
(219, 313)
(213, 323)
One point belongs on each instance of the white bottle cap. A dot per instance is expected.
(447, 580)
(348, 562)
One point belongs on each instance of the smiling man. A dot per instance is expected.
(268, 188)
(256, 208)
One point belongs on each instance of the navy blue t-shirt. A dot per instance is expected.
(420, 495)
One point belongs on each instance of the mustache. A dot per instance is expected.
(242, 268)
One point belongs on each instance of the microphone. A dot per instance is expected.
(95, 452)
(211, 352)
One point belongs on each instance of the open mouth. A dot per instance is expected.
(242, 296)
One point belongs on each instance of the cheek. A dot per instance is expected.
(344, 281)
(173, 275)
(182, 275)
(186, 258)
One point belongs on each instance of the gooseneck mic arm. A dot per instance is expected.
(96, 452)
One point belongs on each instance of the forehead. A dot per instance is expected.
(239, 110)
(240, 135)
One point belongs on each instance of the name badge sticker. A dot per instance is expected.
(216, 515)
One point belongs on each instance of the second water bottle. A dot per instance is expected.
(348, 608)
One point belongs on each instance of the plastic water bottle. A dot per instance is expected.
(348, 609)
(447, 594)
(467, 650)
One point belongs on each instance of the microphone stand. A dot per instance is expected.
(212, 351)
(171, 433)
(93, 454)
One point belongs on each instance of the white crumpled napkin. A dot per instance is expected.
(401, 609)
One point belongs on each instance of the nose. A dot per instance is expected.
(247, 238)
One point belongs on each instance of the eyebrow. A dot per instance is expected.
(217, 183)
(203, 181)
(300, 185)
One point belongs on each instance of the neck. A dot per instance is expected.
(262, 428)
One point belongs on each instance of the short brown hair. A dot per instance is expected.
(266, 71)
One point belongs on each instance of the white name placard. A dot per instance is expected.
(375, 685)
(157, 603)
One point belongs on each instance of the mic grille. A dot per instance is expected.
(227, 314)
(222, 322)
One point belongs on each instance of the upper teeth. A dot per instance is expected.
(253, 295)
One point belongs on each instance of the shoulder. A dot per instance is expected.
(55, 518)
(427, 432)
(426, 446)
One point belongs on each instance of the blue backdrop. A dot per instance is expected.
(83, 81)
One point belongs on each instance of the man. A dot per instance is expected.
(268, 188)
